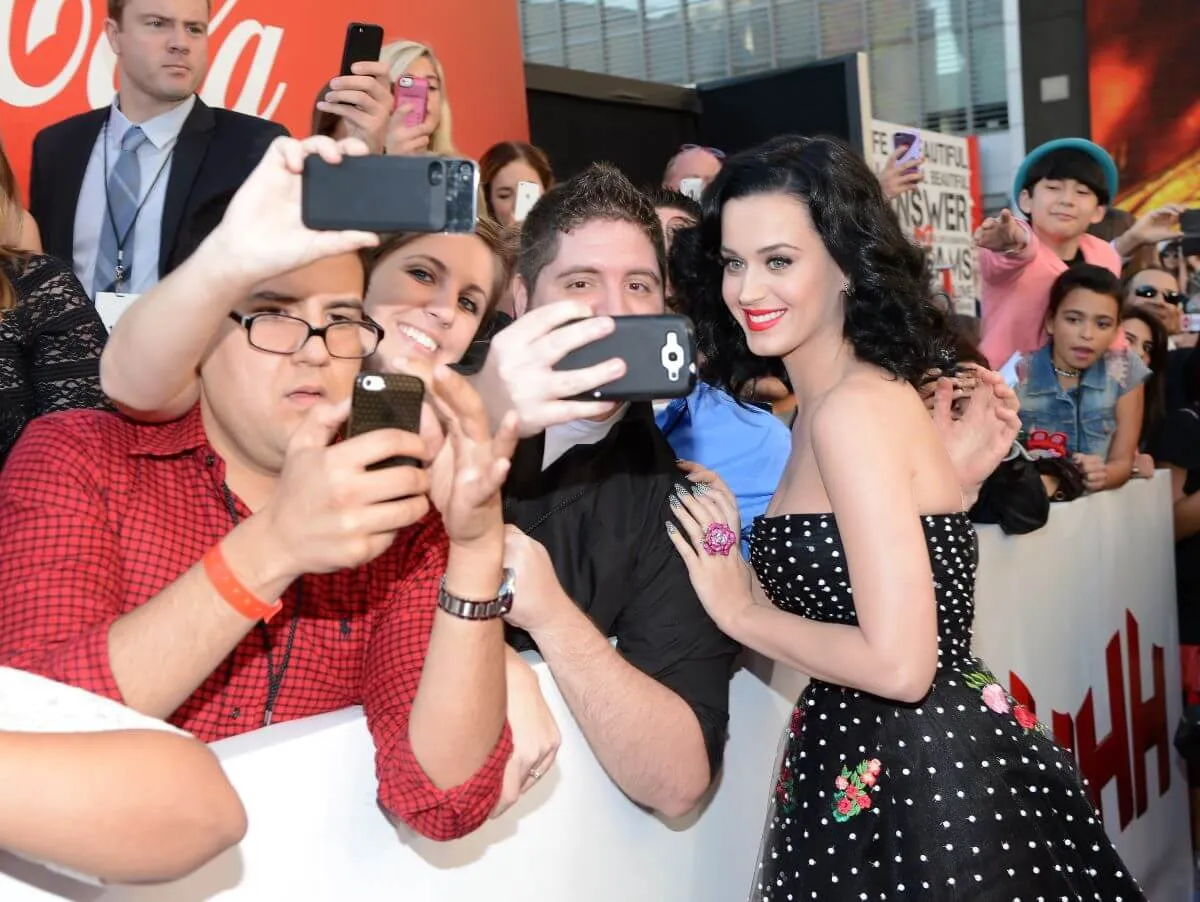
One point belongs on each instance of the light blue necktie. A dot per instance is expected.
(114, 263)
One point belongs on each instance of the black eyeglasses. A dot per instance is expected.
(1171, 297)
(715, 151)
(278, 333)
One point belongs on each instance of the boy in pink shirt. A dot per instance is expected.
(1063, 188)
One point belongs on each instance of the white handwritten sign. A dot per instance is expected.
(940, 213)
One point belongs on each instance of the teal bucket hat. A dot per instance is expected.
(1093, 150)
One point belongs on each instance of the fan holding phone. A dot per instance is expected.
(389, 96)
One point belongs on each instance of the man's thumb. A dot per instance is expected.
(319, 426)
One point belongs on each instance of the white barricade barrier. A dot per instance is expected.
(1050, 605)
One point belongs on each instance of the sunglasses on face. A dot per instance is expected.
(1149, 291)
(715, 151)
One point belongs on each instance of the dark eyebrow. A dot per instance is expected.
(593, 271)
(277, 297)
(344, 304)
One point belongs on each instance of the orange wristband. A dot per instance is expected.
(230, 588)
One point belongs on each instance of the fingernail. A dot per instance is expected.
(700, 489)
(671, 530)
(675, 503)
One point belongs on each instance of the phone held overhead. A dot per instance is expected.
(659, 354)
(364, 43)
(390, 194)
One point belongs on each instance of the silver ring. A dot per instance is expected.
(535, 774)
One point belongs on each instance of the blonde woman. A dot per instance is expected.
(362, 106)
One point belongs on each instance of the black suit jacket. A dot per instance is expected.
(216, 151)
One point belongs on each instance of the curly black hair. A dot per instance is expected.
(890, 318)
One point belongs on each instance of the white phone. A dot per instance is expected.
(528, 194)
(692, 188)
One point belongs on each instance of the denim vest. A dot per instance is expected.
(1087, 415)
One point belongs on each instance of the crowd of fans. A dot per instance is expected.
(184, 539)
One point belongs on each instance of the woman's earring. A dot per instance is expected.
(847, 290)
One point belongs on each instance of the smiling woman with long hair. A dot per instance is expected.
(50, 334)
(906, 767)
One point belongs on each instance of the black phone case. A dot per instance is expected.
(387, 401)
(659, 354)
(390, 194)
(364, 43)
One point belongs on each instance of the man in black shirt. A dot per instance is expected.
(600, 591)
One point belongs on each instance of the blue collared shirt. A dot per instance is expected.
(1087, 415)
(747, 446)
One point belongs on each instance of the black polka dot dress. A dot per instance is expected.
(960, 797)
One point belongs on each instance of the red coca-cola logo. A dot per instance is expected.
(34, 71)
(266, 58)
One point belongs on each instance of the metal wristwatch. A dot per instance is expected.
(479, 610)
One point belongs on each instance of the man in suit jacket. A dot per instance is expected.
(113, 188)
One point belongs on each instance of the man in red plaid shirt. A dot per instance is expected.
(238, 565)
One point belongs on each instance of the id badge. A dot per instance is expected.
(111, 305)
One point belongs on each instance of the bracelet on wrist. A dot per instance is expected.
(233, 591)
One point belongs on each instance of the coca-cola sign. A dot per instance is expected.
(266, 58)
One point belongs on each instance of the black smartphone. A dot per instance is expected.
(390, 194)
(659, 354)
(386, 401)
(363, 44)
(1189, 223)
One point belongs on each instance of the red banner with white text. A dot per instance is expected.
(266, 57)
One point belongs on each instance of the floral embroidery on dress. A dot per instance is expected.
(785, 789)
(853, 794)
(1000, 702)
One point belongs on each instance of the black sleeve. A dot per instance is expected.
(38, 202)
(1013, 497)
(1179, 440)
(664, 631)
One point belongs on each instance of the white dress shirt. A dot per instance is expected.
(91, 211)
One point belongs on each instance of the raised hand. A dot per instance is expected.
(979, 435)
(1000, 233)
(364, 101)
(519, 374)
(472, 464)
(408, 140)
(896, 178)
(262, 235)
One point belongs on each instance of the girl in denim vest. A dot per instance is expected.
(1085, 382)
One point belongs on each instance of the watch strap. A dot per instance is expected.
(468, 609)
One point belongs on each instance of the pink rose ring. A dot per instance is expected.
(718, 539)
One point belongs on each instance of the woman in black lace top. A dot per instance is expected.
(50, 342)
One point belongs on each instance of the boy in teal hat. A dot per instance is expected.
(1062, 188)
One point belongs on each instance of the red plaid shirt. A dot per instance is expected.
(98, 515)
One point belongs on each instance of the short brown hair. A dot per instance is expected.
(499, 240)
(500, 155)
(600, 192)
(116, 9)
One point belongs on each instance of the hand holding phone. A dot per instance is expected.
(659, 354)
(391, 194)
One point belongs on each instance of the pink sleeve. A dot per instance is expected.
(1001, 269)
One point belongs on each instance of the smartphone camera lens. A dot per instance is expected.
(437, 174)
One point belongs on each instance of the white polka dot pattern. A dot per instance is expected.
(961, 796)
